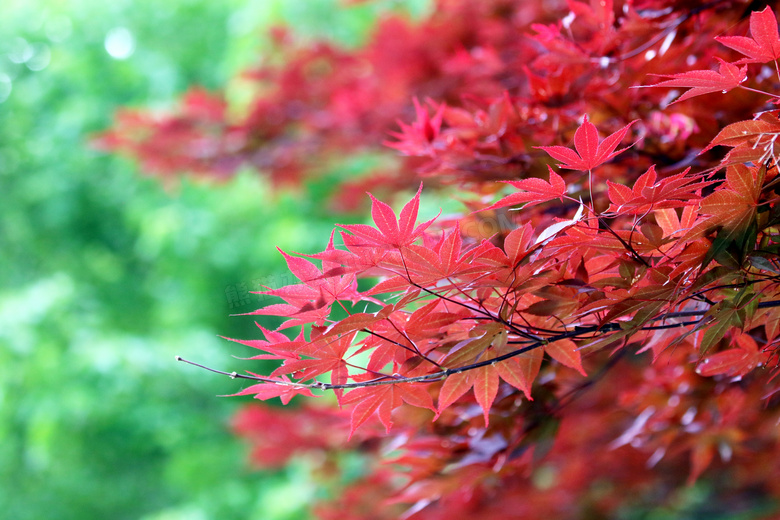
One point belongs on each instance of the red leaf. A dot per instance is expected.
(535, 191)
(297, 315)
(454, 386)
(517, 242)
(521, 370)
(321, 357)
(734, 207)
(279, 345)
(417, 138)
(764, 46)
(727, 77)
(304, 270)
(389, 231)
(565, 352)
(486, 388)
(748, 133)
(450, 251)
(590, 153)
(352, 323)
(382, 400)
(265, 391)
(647, 194)
(368, 401)
(734, 361)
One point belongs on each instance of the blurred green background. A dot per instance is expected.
(105, 274)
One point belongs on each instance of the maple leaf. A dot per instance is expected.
(484, 380)
(298, 315)
(589, 151)
(268, 390)
(278, 345)
(727, 77)
(450, 252)
(322, 356)
(735, 361)
(382, 400)
(517, 242)
(390, 230)
(310, 301)
(764, 44)
(751, 141)
(535, 191)
(317, 289)
(732, 211)
(521, 370)
(565, 352)
(649, 193)
(417, 139)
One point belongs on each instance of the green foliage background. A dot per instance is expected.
(106, 275)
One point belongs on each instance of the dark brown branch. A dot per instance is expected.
(442, 374)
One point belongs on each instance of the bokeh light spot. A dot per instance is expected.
(21, 51)
(5, 87)
(41, 57)
(120, 43)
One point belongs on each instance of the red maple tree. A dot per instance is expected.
(594, 332)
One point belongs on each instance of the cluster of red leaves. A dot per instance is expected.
(317, 102)
(500, 367)
(272, 447)
(501, 85)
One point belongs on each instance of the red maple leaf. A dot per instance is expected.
(734, 361)
(484, 380)
(310, 301)
(268, 390)
(382, 400)
(565, 352)
(278, 345)
(321, 357)
(390, 230)
(751, 141)
(764, 44)
(590, 152)
(727, 77)
(648, 193)
(535, 191)
(418, 137)
(733, 207)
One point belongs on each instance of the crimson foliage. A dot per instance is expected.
(597, 330)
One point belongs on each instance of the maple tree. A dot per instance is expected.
(597, 330)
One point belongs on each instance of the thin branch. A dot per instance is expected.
(577, 333)
(625, 244)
